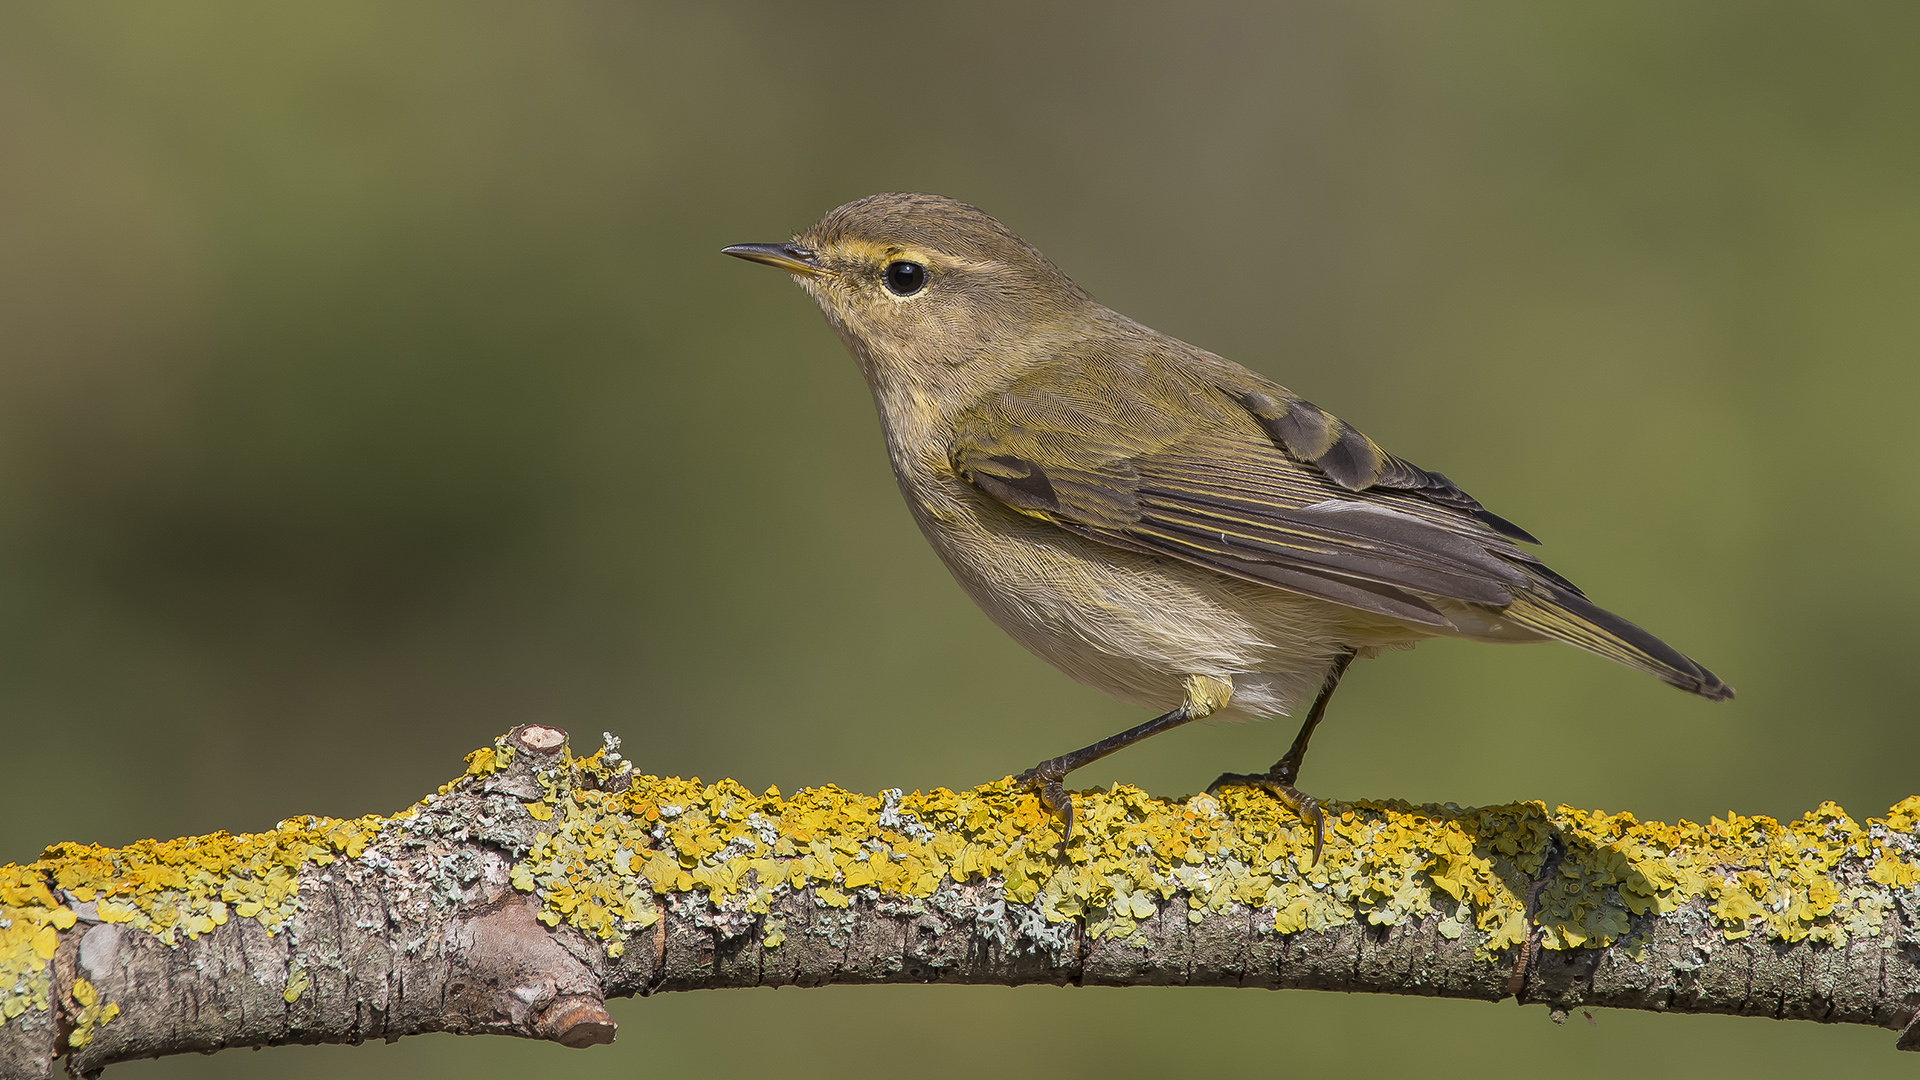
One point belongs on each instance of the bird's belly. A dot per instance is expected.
(1133, 625)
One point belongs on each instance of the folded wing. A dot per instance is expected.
(1248, 481)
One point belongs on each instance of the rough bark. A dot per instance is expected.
(524, 894)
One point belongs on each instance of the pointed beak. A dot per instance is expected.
(792, 258)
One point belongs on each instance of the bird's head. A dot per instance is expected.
(919, 283)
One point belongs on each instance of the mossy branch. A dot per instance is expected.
(522, 895)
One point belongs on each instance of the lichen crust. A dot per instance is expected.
(611, 847)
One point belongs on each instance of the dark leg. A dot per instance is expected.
(1046, 776)
(1280, 779)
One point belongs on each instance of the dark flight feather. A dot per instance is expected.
(1352, 460)
(1256, 483)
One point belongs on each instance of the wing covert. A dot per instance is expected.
(1237, 505)
(1355, 462)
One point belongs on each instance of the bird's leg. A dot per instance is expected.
(1206, 695)
(1280, 779)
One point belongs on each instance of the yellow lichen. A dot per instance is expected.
(1761, 875)
(488, 760)
(610, 845)
(92, 1013)
(1385, 862)
(172, 889)
(297, 983)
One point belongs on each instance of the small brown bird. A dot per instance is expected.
(1158, 522)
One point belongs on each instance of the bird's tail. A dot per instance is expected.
(1569, 617)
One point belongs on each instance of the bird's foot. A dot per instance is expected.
(1045, 780)
(1280, 783)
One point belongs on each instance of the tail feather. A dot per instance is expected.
(1572, 618)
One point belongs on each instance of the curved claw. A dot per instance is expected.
(1303, 805)
(1308, 809)
(1053, 795)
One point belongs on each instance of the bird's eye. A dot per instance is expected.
(906, 278)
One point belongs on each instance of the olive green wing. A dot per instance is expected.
(1550, 606)
(1178, 469)
(1348, 458)
(1251, 482)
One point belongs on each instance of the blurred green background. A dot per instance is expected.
(370, 382)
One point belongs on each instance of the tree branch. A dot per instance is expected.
(522, 895)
